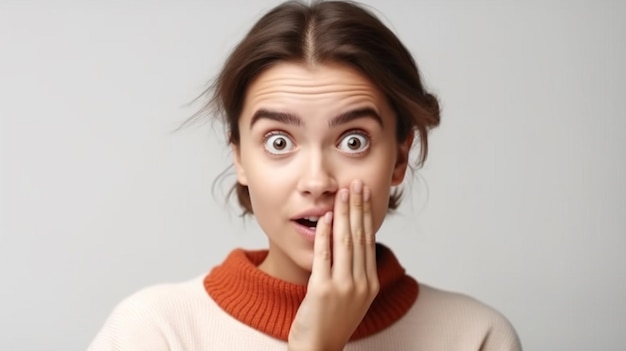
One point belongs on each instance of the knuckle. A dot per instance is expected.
(362, 288)
(359, 239)
(359, 232)
(346, 240)
(374, 287)
(370, 240)
(324, 254)
(366, 206)
(346, 289)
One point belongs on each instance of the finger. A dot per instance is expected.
(369, 236)
(320, 270)
(342, 239)
(357, 230)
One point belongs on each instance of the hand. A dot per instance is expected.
(339, 294)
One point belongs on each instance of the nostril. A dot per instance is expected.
(318, 189)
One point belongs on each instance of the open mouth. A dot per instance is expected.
(310, 222)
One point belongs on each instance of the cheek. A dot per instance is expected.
(268, 183)
(380, 205)
(379, 183)
(266, 204)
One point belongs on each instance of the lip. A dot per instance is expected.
(314, 212)
(307, 232)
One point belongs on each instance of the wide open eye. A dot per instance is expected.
(278, 143)
(354, 142)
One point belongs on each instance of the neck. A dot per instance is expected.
(281, 266)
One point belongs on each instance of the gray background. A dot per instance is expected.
(521, 204)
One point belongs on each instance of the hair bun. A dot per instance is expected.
(432, 107)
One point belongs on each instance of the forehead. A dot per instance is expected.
(327, 89)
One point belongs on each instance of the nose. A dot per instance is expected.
(317, 179)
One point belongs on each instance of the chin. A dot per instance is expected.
(305, 264)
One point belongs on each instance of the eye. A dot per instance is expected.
(354, 142)
(278, 143)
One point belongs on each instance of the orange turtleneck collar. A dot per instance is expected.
(269, 304)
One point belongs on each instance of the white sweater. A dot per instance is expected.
(184, 317)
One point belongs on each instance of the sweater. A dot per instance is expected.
(270, 305)
(238, 307)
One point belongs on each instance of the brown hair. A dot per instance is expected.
(326, 31)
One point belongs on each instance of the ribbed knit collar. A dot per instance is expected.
(269, 304)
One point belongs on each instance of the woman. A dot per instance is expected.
(322, 105)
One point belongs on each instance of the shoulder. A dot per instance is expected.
(463, 321)
(162, 300)
(460, 305)
(164, 297)
(147, 320)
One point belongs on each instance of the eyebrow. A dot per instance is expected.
(295, 120)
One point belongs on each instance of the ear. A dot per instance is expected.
(402, 160)
(241, 174)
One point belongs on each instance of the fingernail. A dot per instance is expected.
(343, 195)
(328, 217)
(357, 186)
(366, 194)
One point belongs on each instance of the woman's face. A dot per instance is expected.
(307, 131)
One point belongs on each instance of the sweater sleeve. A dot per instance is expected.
(132, 326)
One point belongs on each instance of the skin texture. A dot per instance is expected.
(296, 157)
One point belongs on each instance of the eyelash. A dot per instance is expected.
(272, 133)
(357, 132)
(360, 132)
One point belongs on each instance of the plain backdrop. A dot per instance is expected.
(521, 203)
